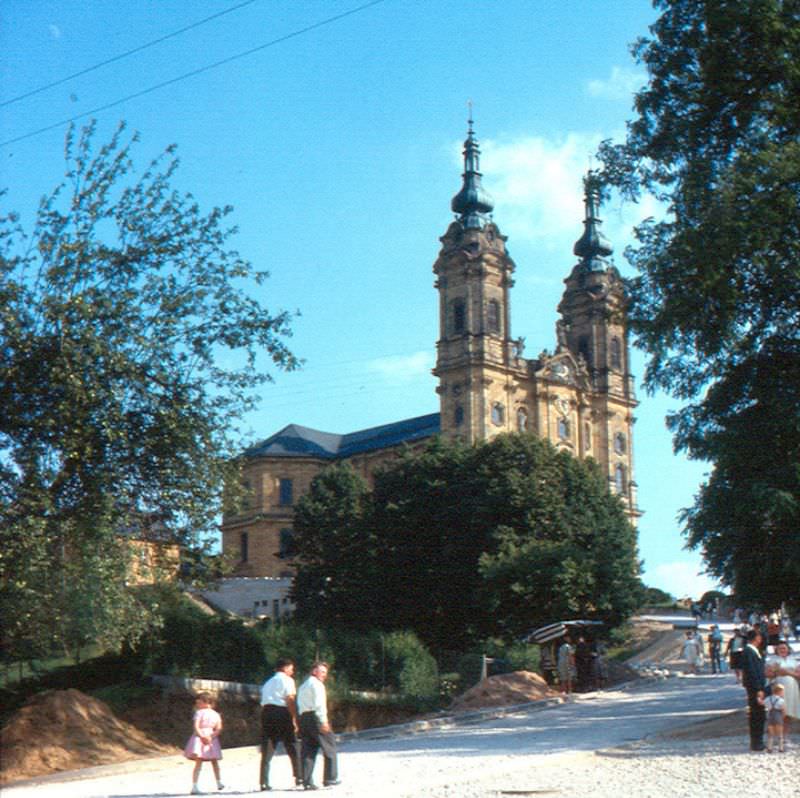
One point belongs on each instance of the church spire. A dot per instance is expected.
(592, 247)
(472, 203)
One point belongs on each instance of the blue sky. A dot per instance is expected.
(340, 149)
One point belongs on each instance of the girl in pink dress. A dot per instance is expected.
(203, 745)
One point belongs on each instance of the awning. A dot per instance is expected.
(544, 634)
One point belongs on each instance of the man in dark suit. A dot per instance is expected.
(754, 681)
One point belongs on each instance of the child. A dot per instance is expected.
(203, 745)
(776, 708)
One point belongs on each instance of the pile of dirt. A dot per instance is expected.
(66, 729)
(504, 690)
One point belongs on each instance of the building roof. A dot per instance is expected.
(297, 441)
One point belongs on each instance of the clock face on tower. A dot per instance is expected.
(560, 371)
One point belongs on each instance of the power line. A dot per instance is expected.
(124, 55)
(194, 72)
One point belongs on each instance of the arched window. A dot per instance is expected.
(493, 316)
(587, 434)
(563, 428)
(498, 414)
(620, 480)
(522, 419)
(616, 354)
(458, 415)
(459, 316)
(620, 444)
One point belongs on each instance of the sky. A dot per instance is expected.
(335, 129)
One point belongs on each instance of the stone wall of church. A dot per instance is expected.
(257, 541)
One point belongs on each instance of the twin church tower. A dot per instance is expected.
(580, 397)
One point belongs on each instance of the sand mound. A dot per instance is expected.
(504, 690)
(66, 729)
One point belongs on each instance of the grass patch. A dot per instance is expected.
(16, 672)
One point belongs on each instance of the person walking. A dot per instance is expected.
(734, 650)
(755, 682)
(715, 649)
(203, 745)
(315, 730)
(279, 720)
(692, 651)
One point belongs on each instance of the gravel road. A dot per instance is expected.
(600, 745)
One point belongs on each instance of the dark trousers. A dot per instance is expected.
(716, 662)
(756, 718)
(312, 739)
(277, 727)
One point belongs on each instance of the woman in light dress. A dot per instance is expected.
(783, 667)
(692, 651)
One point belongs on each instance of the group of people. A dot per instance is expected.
(772, 682)
(759, 654)
(581, 666)
(298, 718)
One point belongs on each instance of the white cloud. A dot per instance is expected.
(55, 31)
(537, 184)
(402, 368)
(621, 84)
(682, 579)
(537, 187)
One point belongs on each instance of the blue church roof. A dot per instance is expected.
(297, 441)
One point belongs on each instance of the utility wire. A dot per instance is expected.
(124, 55)
(194, 72)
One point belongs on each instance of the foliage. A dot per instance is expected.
(655, 597)
(193, 643)
(716, 303)
(332, 541)
(409, 667)
(457, 542)
(128, 350)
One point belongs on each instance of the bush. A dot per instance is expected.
(410, 668)
(192, 643)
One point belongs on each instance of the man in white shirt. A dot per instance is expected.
(279, 720)
(315, 731)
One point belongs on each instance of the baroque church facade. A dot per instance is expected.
(580, 397)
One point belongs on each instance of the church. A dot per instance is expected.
(580, 397)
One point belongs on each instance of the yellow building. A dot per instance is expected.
(580, 397)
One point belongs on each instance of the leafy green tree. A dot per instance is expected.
(458, 543)
(429, 525)
(569, 550)
(128, 351)
(716, 303)
(333, 549)
(655, 597)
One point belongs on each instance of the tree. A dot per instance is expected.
(332, 549)
(128, 351)
(566, 549)
(717, 297)
(459, 542)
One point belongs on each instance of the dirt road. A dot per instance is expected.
(457, 760)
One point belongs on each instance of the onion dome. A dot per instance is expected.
(592, 247)
(472, 203)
